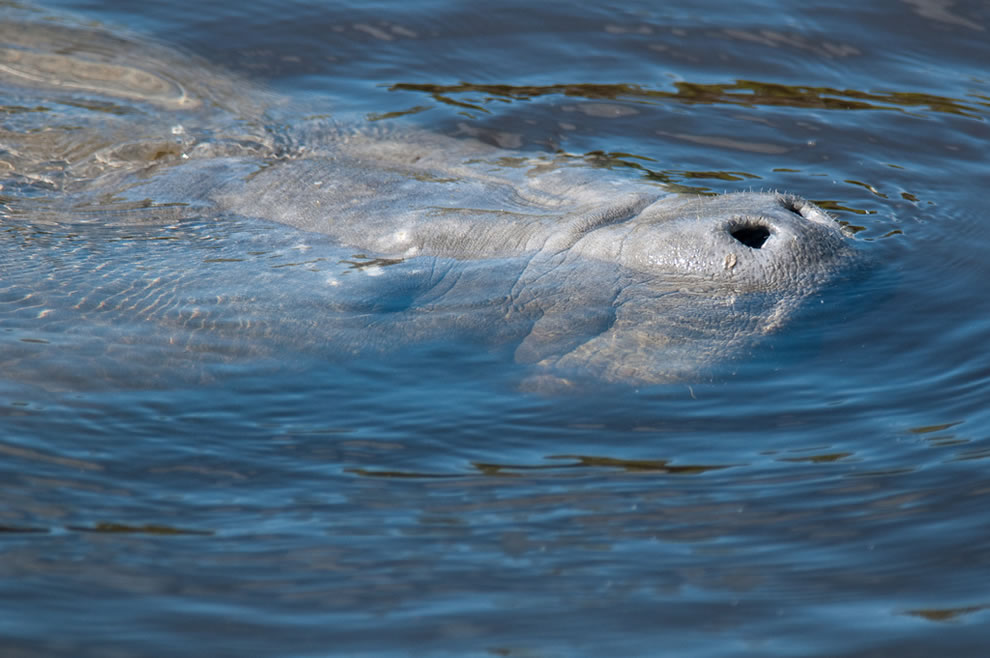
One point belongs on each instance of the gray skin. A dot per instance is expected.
(581, 272)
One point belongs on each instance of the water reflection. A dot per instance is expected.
(749, 93)
(147, 529)
(571, 462)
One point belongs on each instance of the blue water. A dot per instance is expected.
(824, 493)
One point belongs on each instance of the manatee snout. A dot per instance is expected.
(774, 240)
(754, 229)
(748, 241)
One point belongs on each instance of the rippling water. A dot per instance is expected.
(825, 493)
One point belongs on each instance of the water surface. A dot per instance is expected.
(822, 494)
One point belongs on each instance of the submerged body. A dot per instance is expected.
(577, 270)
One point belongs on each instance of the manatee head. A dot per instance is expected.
(707, 276)
(746, 242)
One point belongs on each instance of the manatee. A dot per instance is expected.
(577, 271)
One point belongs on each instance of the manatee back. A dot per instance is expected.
(89, 111)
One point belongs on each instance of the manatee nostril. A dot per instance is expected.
(795, 205)
(751, 236)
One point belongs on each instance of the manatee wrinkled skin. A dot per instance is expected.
(582, 271)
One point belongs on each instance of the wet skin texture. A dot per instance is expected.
(583, 273)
